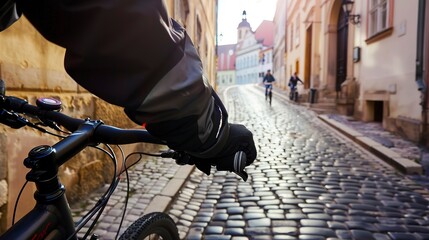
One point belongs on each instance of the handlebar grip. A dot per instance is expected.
(240, 160)
(2, 87)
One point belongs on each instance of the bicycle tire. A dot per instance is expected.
(156, 224)
(270, 96)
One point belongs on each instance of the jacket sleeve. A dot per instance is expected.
(8, 13)
(131, 54)
(125, 52)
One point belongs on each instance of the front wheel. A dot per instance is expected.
(155, 225)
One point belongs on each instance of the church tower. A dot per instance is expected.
(243, 28)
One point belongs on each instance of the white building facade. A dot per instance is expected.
(254, 52)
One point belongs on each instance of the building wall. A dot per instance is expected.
(279, 51)
(303, 43)
(267, 64)
(387, 72)
(225, 78)
(226, 65)
(425, 113)
(381, 82)
(387, 68)
(199, 18)
(247, 61)
(252, 60)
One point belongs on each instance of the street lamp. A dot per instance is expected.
(348, 7)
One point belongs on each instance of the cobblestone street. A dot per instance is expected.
(307, 183)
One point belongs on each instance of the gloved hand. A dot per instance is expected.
(221, 147)
(229, 158)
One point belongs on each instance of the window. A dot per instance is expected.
(291, 36)
(182, 12)
(297, 66)
(379, 11)
(297, 31)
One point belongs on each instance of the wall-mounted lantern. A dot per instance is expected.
(348, 7)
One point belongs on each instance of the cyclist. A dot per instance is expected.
(293, 82)
(268, 81)
(131, 54)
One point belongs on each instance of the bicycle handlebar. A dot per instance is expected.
(103, 133)
(87, 132)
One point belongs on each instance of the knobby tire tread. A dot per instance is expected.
(152, 223)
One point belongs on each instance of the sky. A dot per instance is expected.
(230, 15)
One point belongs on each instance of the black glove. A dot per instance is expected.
(239, 152)
(222, 148)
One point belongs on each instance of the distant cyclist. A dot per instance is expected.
(268, 82)
(293, 81)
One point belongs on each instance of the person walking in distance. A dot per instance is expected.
(268, 81)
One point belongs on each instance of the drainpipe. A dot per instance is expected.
(420, 80)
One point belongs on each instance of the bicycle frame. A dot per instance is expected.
(268, 88)
(293, 94)
(51, 217)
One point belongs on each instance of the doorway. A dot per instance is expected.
(378, 111)
(342, 40)
(308, 60)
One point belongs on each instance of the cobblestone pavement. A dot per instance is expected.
(307, 183)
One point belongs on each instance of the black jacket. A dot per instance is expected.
(268, 78)
(131, 54)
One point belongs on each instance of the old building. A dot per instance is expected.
(33, 67)
(199, 19)
(382, 52)
(303, 44)
(363, 60)
(254, 51)
(226, 65)
(279, 45)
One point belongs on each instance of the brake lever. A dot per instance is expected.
(181, 158)
(2, 87)
(12, 119)
(50, 124)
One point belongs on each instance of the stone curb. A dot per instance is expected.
(162, 202)
(402, 164)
